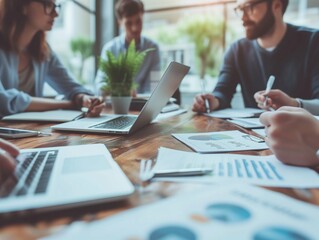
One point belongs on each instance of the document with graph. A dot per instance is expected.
(219, 212)
(258, 170)
(225, 141)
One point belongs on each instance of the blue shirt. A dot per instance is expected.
(151, 62)
(294, 63)
(51, 71)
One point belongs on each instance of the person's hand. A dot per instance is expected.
(94, 104)
(292, 135)
(199, 103)
(134, 93)
(276, 99)
(8, 152)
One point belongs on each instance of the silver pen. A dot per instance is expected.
(183, 172)
(207, 105)
(207, 108)
(270, 82)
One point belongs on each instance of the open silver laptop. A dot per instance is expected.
(126, 124)
(62, 177)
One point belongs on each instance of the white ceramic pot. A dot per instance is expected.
(121, 105)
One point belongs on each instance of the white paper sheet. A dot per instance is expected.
(169, 114)
(238, 212)
(260, 132)
(46, 116)
(224, 141)
(259, 170)
(235, 113)
(247, 122)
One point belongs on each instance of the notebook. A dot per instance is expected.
(47, 179)
(126, 124)
(45, 116)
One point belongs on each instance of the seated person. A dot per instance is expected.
(8, 152)
(129, 14)
(293, 136)
(271, 47)
(27, 61)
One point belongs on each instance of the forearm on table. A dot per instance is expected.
(41, 104)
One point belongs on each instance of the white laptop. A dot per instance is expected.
(126, 124)
(62, 177)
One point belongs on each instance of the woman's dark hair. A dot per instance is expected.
(12, 23)
(128, 8)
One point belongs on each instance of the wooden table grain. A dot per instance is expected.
(127, 152)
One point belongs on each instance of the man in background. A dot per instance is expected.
(129, 15)
(271, 47)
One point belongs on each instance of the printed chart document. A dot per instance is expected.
(46, 116)
(258, 170)
(224, 141)
(224, 212)
(235, 113)
(249, 123)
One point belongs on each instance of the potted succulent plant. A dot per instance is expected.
(120, 72)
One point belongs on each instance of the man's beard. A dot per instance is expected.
(263, 27)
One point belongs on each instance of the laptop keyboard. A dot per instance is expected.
(31, 175)
(117, 123)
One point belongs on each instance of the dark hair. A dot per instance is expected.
(128, 8)
(284, 5)
(12, 23)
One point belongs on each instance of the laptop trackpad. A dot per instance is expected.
(85, 164)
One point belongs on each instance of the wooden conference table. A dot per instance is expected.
(127, 151)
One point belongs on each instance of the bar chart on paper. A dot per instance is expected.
(265, 171)
(259, 170)
(245, 168)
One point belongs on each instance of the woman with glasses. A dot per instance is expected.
(27, 61)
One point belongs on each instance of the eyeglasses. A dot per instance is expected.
(49, 6)
(247, 8)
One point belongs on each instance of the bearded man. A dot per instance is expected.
(271, 48)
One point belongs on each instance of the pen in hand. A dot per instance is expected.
(94, 103)
(207, 106)
(206, 102)
(270, 83)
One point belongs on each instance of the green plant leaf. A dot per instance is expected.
(120, 71)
